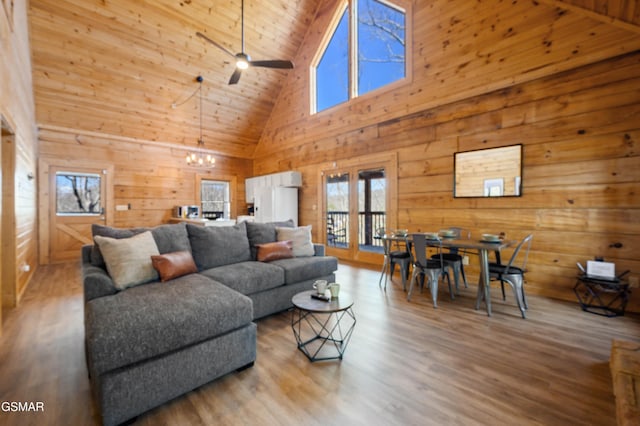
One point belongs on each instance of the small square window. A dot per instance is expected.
(214, 196)
(78, 194)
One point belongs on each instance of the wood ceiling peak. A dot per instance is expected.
(116, 67)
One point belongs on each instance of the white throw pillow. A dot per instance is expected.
(300, 237)
(129, 259)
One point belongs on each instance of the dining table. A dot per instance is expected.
(483, 248)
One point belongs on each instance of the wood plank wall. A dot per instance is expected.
(578, 120)
(483, 74)
(19, 237)
(152, 178)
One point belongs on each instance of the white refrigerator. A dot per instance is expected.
(275, 204)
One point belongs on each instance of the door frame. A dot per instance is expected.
(46, 191)
(8, 266)
(386, 161)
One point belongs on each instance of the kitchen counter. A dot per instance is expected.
(204, 222)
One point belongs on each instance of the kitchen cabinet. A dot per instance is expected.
(290, 179)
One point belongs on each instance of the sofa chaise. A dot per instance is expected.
(179, 327)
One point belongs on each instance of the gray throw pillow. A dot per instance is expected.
(214, 246)
(263, 233)
(171, 238)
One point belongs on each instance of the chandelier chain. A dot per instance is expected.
(197, 157)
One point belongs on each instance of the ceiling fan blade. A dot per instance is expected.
(219, 46)
(274, 63)
(242, 59)
(235, 76)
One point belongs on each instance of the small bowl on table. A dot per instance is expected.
(491, 238)
(401, 232)
(447, 233)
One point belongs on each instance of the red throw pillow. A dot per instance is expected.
(174, 265)
(274, 251)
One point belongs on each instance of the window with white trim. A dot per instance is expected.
(78, 194)
(364, 49)
(214, 196)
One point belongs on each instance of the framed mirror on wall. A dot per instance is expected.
(491, 172)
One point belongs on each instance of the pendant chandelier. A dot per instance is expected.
(198, 157)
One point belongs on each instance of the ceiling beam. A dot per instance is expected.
(619, 23)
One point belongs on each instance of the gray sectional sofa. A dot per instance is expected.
(152, 342)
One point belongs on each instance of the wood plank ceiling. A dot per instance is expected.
(117, 66)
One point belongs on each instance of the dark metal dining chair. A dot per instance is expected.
(431, 269)
(513, 274)
(400, 256)
(453, 258)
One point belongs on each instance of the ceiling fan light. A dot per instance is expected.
(242, 64)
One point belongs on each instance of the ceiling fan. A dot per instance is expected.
(243, 61)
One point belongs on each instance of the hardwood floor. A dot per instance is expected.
(407, 363)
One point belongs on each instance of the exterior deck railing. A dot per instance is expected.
(368, 224)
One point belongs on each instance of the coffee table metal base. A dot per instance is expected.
(330, 333)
